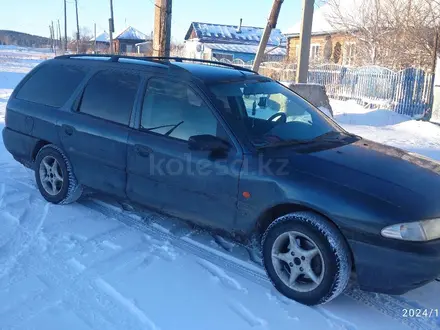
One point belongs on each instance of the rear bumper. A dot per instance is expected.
(396, 270)
(20, 145)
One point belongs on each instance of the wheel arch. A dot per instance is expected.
(279, 210)
(38, 146)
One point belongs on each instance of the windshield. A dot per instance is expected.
(271, 114)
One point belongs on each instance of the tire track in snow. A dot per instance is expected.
(2, 193)
(67, 284)
(220, 274)
(129, 305)
(390, 306)
(22, 242)
(247, 315)
(80, 291)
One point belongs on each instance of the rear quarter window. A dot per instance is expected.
(52, 85)
(110, 95)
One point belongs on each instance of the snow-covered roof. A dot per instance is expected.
(248, 49)
(131, 33)
(213, 33)
(103, 37)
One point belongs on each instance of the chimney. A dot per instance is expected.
(239, 27)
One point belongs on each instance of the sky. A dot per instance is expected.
(34, 16)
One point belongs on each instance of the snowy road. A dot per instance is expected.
(94, 265)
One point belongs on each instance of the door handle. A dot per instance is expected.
(68, 129)
(142, 150)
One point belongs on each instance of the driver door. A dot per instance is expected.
(163, 173)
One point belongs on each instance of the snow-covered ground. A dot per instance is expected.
(101, 265)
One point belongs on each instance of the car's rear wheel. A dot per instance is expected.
(306, 258)
(54, 176)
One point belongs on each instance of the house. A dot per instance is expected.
(328, 44)
(102, 42)
(231, 42)
(125, 42)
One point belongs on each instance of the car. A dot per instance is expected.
(226, 148)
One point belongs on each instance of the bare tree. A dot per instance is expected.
(84, 41)
(394, 33)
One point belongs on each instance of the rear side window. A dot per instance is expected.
(51, 85)
(110, 95)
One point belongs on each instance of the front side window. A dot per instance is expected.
(270, 113)
(52, 85)
(110, 95)
(173, 109)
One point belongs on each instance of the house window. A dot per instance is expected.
(315, 52)
(219, 56)
(349, 53)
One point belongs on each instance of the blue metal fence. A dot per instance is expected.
(409, 92)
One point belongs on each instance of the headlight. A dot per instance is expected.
(419, 231)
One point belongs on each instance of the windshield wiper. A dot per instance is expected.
(335, 136)
(172, 130)
(173, 127)
(284, 144)
(332, 136)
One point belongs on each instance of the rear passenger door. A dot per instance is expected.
(95, 135)
(165, 174)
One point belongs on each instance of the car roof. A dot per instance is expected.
(207, 71)
(212, 73)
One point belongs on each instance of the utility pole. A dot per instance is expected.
(59, 35)
(111, 26)
(305, 37)
(65, 26)
(162, 28)
(271, 24)
(434, 55)
(51, 36)
(94, 44)
(54, 44)
(77, 27)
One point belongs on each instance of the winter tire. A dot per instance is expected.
(54, 176)
(306, 258)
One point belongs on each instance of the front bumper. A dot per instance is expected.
(394, 270)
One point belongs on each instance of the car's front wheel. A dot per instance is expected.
(306, 258)
(54, 176)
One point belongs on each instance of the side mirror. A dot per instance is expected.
(262, 103)
(208, 143)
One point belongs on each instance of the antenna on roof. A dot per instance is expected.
(239, 27)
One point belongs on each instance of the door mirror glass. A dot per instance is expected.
(207, 143)
(263, 102)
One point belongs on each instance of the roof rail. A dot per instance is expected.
(156, 59)
(110, 57)
(195, 60)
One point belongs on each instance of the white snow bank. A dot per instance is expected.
(390, 128)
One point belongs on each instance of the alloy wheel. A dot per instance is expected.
(51, 176)
(298, 261)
